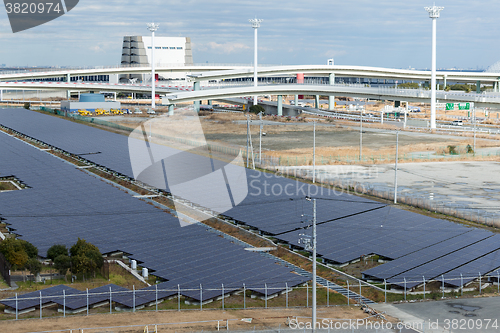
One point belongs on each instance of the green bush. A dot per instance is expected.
(256, 109)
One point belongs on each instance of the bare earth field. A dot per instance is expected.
(261, 319)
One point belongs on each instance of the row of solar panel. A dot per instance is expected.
(359, 227)
(74, 299)
(64, 203)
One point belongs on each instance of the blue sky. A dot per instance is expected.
(385, 33)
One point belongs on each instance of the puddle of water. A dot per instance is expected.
(457, 312)
(469, 315)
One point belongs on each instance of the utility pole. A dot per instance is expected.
(314, 269)
(396, 169)
(361, 136)
(248, 137)
(311, 245)
(260, 139)
(474, 148)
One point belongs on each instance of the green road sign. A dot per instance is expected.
(450, 106)
(464, 106)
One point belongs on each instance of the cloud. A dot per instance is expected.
(226, 47)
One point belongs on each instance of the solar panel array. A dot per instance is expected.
(63, 203)
(448, 263)
(349, 227)
(425, 255)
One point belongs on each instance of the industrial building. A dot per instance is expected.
(89, 102)
(137, 51)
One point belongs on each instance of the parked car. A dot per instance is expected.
(457, 123)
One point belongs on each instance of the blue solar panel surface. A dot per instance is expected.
(63, 203)
(349, 227)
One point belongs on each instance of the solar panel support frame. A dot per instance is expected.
(423, 278)
(133, 298)
(87, 301)
(286, 286)
(222, 296)
(348, 298)
(461, 284)
(479, 283)
(40, 305)
(64, 303)
(265, 290)
(110, 301)
(385, 291)
(178, 298)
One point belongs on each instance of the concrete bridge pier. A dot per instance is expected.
(296, 100)
(478, 87)
(171, 110)
(68, 79)
(196, 87)
(331, 99)
(444, 83)
(280, 105)
(316, 101)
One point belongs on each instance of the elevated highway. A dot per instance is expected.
(220, 72)
(349, 71)
(377, 93)
(181, 94)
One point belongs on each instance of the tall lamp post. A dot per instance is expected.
(153, 27)
(255, 25)
(433, 14)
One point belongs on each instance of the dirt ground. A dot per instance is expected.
(325, 138)
(169, 321)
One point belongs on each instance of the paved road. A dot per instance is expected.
(451, 315)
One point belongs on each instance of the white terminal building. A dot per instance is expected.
(137, 50)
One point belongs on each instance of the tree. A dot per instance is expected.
(15, 252)
(34, 266)
(56, 250)
(62, 263)
(30, 249)
(85, 257)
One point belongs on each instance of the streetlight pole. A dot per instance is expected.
(361, 135)
(314, 152)
(153, 27)
(255, 25)
(433, 14)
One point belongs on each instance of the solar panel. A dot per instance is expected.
(442, 265)
(426, 255)
(63, 203)
(349, 227)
